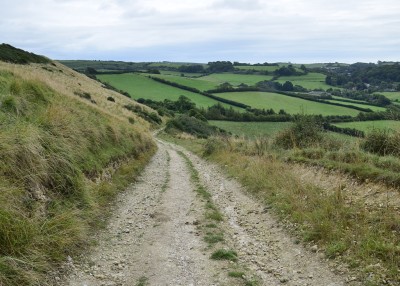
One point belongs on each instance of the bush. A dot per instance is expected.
(110, 98)
(305, 132)
(382, 142)
(192, 126)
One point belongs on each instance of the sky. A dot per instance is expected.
(251, 31)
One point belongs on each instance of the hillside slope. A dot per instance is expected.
(66, 149)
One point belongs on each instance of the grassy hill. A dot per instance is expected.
(11, 54)
(66, 149)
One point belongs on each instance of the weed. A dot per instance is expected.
(223, 254)
(215, 215)
(236, 274)
(213, 238)
(168, 176)
(211, 225)
(143, 281)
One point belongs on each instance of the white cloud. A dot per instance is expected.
(261, 28)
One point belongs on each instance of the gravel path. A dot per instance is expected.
(153, 237)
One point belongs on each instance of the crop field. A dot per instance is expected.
(213, 80)
(309, 81)
(166, 64)
(373, 108)
(251, 129)
(348, 99)
(367, 126)
(258, 68)
(139, 86)
(198, 83)
(291, 105)
(395, 95)
(235, 79)
(177, 73)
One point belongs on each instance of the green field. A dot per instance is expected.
(251, 129)
(373, 108)
(367, 126)
(177, 73)
(139, 86)
(395, 95)
(166, 64)
(310, 81)
(235, 79)
(348, 99)
(291, 105)
(258, 68)
(213, 80)
(198, 83)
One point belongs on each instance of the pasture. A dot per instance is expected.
(198, 83)
(373, 108)
(392, 95)
(140, 86)
(367, 126)
(235, 79)
(311, 80)
(258, 68)
(251, 129)
(292, 105)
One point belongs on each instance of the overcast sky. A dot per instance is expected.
(299, 31)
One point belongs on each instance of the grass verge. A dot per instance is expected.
(364, 240)
(62, 163)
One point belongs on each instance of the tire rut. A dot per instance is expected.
(263, 245)
(151, 237)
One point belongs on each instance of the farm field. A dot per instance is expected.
(167, 64)
(373, 108)
(309, 81)
(177, 73)
(367, 126)
(291, 105)
(251, 129)
(348, 99)
(235, 79)
(139, 86)
(258, 68)
(198, 83)
(395, 95)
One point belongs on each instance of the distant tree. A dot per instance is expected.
(184, 104)
(191, 68)
(220, 66)
(90, 70)
(287, 86)
(285, 71)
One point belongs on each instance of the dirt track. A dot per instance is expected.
(155, 238)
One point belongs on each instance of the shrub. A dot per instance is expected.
(192, 126)
(382, 142)
(305, 132)
(110, 98)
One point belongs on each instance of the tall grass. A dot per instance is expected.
(357, 236)
(345, 230)
(52, 148)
